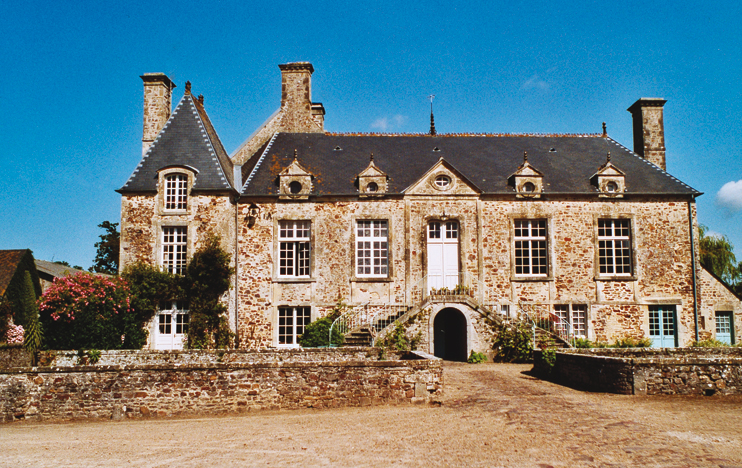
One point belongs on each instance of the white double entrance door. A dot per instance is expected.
(443, 254)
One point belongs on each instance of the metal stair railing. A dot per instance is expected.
(374, 317)
(544, 318)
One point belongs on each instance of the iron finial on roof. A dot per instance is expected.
(201, 98)
(372, 157)
(188, 87)
(432, 120)
(295, 154)
(608, 158)
(525, 156)
(605, 130)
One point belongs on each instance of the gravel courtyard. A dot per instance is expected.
(491, 415)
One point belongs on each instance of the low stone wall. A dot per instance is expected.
(14, 356)
(203, 357)
(686, 371)
(166, 390)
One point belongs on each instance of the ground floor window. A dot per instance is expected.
(725, 327)
(572, 316)
(291, 323)
(171, 325)
(662, 329)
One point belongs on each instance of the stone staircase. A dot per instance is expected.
(360, 337)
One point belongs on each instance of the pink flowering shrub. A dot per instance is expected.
(15, 334)
(86, 311)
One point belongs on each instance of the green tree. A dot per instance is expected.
(107, 255)
(33, 335)
(206, 280)
(150, 288)
(717, 256)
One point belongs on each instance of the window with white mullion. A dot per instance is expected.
(575, 315)
(530, 247)
(372, 249)
(176, 192)
(174, 249)
(614, 247)
(294, 249)
(291, 324)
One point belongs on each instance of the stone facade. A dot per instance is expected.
(305, 187)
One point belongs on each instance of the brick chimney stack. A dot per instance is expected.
(300, 114)
(649, 130)
(157, 105)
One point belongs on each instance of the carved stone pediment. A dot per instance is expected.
(442, 179)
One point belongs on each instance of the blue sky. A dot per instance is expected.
(71, 124)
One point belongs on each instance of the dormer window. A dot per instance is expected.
(372, 187)
(295, 182)
(371, 182)
(609, 180)
(527, 181)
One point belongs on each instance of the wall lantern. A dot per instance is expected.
(253, 212)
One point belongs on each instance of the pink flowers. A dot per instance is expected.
(15, 334)
(71, 294)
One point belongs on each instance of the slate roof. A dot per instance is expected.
(9, 260)
(187, 139)
(567, 162)
(57, 270)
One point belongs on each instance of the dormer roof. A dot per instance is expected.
(187, 139)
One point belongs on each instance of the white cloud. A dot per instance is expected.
(535, 82)
(382, 124)
(729, 196)
(387, 124)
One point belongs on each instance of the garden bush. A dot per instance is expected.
(89, 311)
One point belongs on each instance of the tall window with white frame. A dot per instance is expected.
(291, 324)
(372, 249)
(614, 247)
(531, 257)
(174, 249)
(176, 192)
(294, 249)
(573, 319)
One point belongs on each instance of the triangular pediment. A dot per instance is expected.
(526, 170)
(608, 169)
(295, 169)
(372, 171)
(442, 179)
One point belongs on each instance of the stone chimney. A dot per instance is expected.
(649, 130)
(157, 104)
(300, 114)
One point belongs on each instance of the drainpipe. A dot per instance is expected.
(693, 262)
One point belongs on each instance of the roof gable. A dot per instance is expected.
(442, 179)
(187, 139)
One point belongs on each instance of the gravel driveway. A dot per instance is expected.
(491, 415)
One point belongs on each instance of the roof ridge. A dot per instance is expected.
(257, 164)
(444, 135)
(207, 139)
(657, 168)
(154, 142)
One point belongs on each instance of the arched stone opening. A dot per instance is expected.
(449, 335)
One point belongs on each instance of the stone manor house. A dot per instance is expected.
(438, 229)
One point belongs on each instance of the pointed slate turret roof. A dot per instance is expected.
(187, 139)
(567, 162)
